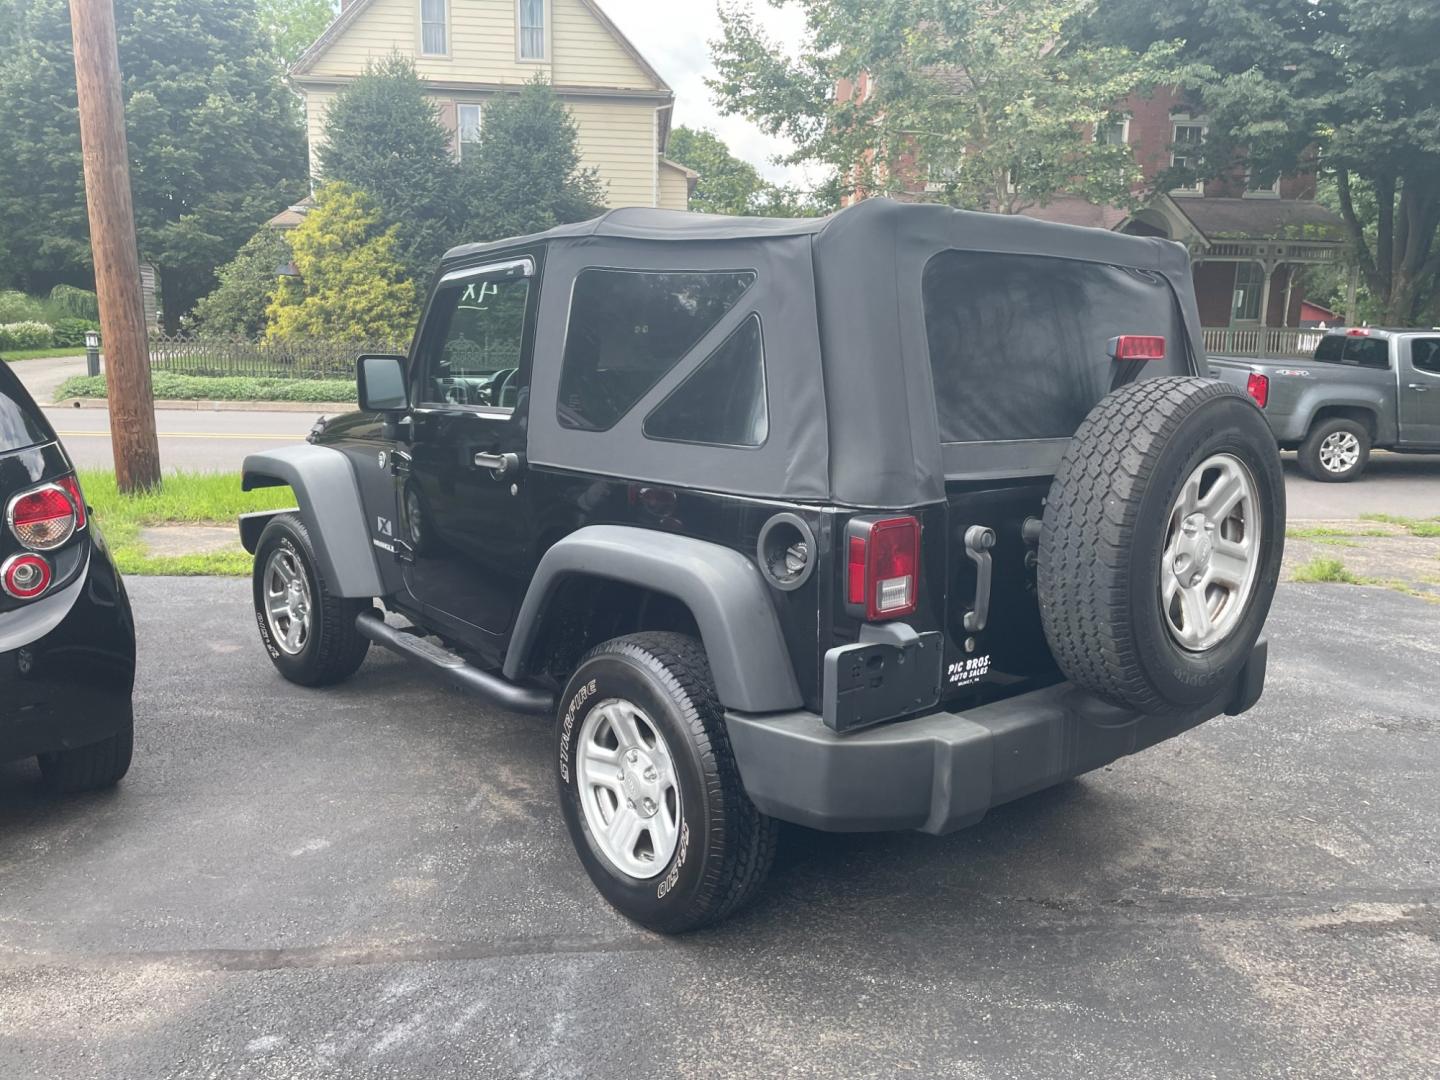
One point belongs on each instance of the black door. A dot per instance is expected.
(462, 493)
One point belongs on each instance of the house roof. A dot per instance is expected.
(353, 10)
(1073, 210)
(1261, 219)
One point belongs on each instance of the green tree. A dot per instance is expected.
(215, 139)
(351, 285)
(292, 25)
(382, 136)
(998, 102)
(248, 283)
(729, 185)
(1350, 85)
(524, 173)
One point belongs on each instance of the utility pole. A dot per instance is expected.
(112, 245)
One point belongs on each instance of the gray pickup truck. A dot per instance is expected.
(1363, 389)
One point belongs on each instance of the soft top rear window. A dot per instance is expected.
(1019, 343)
(21, 423)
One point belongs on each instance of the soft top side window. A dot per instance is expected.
(628, 329)
(721, 402)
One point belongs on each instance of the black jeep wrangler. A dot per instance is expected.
(869, 522)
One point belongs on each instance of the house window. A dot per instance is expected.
(1249, 284)
(1114, 131)
(532, 29)
(434, 39)
(1258, 189)
(1185, 154)
(467, 126)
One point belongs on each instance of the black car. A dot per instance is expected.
(869, 522)
(67, 639)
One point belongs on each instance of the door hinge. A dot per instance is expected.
(403, 551)
(399, 463)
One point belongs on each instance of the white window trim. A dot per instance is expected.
(547, 14)
(1178, 121)
(420, 33)
(460, 139)
(1259, 286)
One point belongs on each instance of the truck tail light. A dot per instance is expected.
(25, 576)
(1137, 347)
(1258, 387)
(45, 517)
(882, 568)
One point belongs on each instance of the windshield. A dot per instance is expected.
(21, 423)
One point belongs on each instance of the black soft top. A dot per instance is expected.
(851, 399)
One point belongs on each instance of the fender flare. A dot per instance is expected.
(723, 589)
(330, 504)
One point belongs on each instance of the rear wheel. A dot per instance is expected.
(308, 631)
(1161, 546)
(89, 768)
(1336, 450)
(649, 789)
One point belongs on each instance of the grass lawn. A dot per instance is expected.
(12, 355)
(169, 386)
(184, 498)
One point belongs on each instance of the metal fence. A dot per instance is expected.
(1258, 341)
(303, 359)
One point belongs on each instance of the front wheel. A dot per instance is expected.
(649, 789)
(1335, 451)
(308, 631)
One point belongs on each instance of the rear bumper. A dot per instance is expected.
(67, 664)
(942, 772)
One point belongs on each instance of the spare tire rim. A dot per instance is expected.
(628, 789)
(287, 601)
(1212, 554)
(1339, 452)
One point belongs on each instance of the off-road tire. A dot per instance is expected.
(336, 649)
(90, 768)
(726, 845)
(1104, 530)
(1309, 454)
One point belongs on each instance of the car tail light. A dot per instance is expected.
(1137, 347)
(25, 576)
(45, 517)
(882, 571)
(1258, 387)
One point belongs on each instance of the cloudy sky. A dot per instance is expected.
(675, 35)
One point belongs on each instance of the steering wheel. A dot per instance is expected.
(502, 383)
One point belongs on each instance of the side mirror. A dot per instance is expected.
(380, 382)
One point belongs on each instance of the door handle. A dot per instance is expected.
(500, 465)
(979, 539)
(1419, 388)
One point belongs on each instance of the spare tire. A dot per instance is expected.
(1161, 546)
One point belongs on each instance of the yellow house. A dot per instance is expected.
(467, 51)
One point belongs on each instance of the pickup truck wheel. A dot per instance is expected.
(1336, 450)
(308, 631)
(649, 789)
(1161, 546)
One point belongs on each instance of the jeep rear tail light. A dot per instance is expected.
(882, 571)
(25, 576)
(45, 517)
(1137, 347)
(1258, 387)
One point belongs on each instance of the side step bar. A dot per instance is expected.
(493, 688)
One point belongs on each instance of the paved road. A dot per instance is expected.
(372, 882)
(194, 439)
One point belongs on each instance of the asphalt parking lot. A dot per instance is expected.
(372, 882)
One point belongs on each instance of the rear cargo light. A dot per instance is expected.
(1358, 331)
(882, 567)
(1258, 387)
(1137, 347)
(25, 576)
(44, 517)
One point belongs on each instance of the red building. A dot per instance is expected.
(1251, 244)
